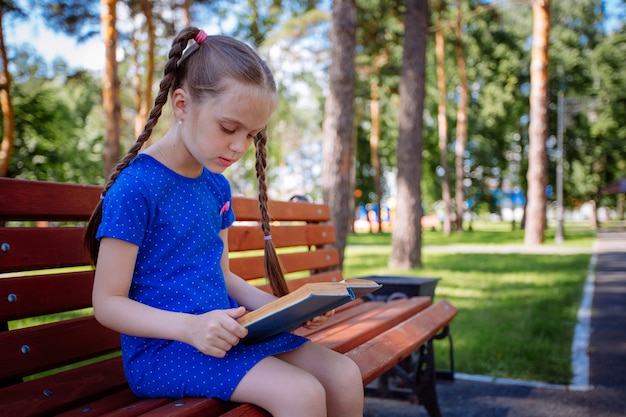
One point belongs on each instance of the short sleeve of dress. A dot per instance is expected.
(125, 211)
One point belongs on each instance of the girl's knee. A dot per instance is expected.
(350, 372)
(308, 397)
(350, 400)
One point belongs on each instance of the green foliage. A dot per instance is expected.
(79, 18)
(608, 130)
(56, 122)
(585, 62)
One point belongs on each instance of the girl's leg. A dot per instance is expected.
(282, 389)
(338, 374)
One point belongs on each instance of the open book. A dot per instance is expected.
(296, 308)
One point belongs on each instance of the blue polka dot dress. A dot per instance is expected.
(175, 221)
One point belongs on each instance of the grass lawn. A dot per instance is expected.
(517, 312)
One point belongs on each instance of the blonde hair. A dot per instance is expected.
(205, 68)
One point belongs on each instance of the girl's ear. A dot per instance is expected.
(180, 103)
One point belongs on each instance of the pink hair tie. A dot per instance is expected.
(201, 36)
(268, 237)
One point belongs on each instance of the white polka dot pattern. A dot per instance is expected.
(175, 221)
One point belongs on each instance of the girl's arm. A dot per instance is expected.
(244, 293)
(213, 333)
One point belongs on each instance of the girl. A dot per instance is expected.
(160, 238)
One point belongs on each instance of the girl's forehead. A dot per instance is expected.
(248, 105)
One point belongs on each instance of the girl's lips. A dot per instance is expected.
(226, 162)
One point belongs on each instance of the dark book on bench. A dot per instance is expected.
(296, 308)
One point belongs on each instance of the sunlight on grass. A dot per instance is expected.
(517, 312)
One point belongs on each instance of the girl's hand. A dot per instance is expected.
(316, 322)
(216, 332)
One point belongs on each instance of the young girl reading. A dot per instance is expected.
(160, 239)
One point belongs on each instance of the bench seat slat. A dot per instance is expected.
(247, 410)
(386, 350)
(46, 294)
(52, 345)
(379, 318)
(353, 314)
(343, 313)
(57, 393)
(191, 407)
(123, 403)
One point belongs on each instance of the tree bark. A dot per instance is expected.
(407, 231)
(339, 140)
(144, 90)
(110, 86)
(538, 127)
(375, 146)
(461, 122)
(6, 105)
(442, 121)
(187, 13)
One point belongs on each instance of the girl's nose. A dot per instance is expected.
(240, 143)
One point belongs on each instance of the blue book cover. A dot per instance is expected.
(296, 308)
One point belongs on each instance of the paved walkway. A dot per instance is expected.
(600, 392)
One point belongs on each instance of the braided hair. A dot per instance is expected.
(205, 67)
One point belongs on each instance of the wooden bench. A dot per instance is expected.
(56, 359)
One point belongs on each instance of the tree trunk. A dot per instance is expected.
(110, 87)
(407, 231)
(461, 122)
(187, 13)
(338, 146)
(137, 85)
(375, 146)
(442, 121)
(538, 128)
(144, 90)
(6, 106)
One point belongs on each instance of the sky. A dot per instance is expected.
(90, 55)
(51, 44)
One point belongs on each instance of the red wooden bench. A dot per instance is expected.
(56, 359)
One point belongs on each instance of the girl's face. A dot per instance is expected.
(218, 131)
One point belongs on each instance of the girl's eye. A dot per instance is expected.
(228, 131)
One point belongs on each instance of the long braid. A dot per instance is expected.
(169, 78)
(273, 268)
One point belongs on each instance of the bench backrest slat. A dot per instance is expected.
(41, 348)
(41, 247)
(252, 267)
(41, 200)
(44, 294)
(242, 238)
(247, 209)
